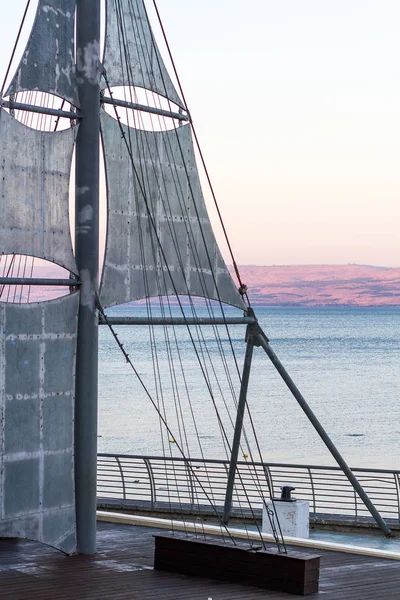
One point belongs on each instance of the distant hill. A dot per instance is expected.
(300, 285)
(322, 285)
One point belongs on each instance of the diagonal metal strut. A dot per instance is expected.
(238, 427)
(263, 341)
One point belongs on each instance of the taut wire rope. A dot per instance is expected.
(235, 266)
(15, 47)
(143, 385)
(225, 233)
(129, 147)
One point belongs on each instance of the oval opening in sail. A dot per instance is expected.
(27, 279)
(142, 109)
(45, 103)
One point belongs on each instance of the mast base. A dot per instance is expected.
(294, 573)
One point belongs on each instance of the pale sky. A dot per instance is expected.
(297, 107)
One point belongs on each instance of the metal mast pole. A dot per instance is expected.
(87, 259)
(238, 426)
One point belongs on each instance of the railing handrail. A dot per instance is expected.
(159, 481)
(247, 462)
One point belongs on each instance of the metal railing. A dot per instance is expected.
(193, 484)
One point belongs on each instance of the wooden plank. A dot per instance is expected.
(30, 571)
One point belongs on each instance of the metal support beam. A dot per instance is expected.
(38, 281)
(238, 427)
(43, 110)
(144, 108)
(264, 343)
(177, 321)
(87, 258)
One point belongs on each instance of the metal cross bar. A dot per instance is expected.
(144, 108)
(37, 281)
(177, 321)
(39, 109)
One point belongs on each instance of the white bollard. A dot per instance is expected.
(293, 516)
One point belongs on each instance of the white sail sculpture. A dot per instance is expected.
(48, 63)
(140, 61)
(165, 243)
(37, 366)
(38, 340)
(34, 189)
(159, 243)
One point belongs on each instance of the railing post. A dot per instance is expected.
(190, 478)
(151, 481)
(312, 490)
(268, 477)
(397, 487)
(122, 477)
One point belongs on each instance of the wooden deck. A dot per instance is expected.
(122, 570)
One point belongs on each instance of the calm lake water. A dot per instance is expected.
(344, 360)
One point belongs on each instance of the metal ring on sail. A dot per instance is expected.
(160, 241)
(34, 187)
(48, 63)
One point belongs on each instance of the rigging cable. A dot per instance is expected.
(144, 45)
(188, 179)
(183, 206)
(153, 225)
(129, 361)
(243, 287)
(15, 47)
(172, 373)
(152, 222)
(156, 368)
(153, 345)
(154, 47)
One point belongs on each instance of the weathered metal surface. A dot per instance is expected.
(183, 257)
(48, 63)
(34, 184)
(37, 376)
(134, 41)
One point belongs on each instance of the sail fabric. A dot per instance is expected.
(37, 379)
(48, 63)
(34, 186)
(131, 56)
(159, 241)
